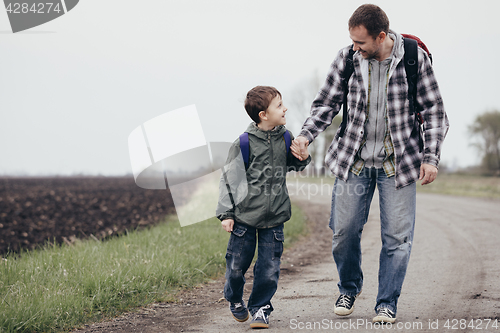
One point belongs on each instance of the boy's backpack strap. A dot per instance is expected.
(288, 141)
(411, 68)
(245, 148)
(346, 75)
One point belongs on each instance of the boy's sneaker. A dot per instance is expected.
(344, 305)
(239, 311)
(384, 315)
(260, 318)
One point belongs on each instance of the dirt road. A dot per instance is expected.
(453, 280)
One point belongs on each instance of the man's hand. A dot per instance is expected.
(427, 173)
(228, 225)
(299, 148)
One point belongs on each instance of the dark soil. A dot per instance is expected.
(34, 211)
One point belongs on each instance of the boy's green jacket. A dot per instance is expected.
(259, 193)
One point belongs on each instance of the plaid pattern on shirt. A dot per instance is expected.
(401, 123)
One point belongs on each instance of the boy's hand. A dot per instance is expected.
(228, 225)
(299, 148)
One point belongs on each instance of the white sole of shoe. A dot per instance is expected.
(383, 319)
(339, 311)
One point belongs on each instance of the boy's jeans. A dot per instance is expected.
(240, 252)
(350, 206)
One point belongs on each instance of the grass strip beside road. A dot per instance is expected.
(464, 185)
(61, 287)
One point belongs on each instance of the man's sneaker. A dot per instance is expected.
(384, 315)
(239, 311)
(344, 305)
(260, 318)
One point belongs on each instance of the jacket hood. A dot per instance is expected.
(399, 50)
(255, 130)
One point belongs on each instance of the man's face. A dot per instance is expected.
(275, 113)
(367, 46)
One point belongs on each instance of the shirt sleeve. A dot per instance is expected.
(430, 102)
(328, 101)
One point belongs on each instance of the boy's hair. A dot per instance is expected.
(258, 99)
(372, 17)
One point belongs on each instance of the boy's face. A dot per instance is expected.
(275, 113)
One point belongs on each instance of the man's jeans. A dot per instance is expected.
(350, 206)
(266, 271)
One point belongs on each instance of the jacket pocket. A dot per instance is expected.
(236, 240)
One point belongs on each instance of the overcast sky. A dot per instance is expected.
(73, 89)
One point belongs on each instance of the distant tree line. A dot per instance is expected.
(485, 132)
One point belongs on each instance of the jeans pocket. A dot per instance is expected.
(236, 240)
(279, 238)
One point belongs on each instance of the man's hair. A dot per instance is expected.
(372, 17)
(258, 99)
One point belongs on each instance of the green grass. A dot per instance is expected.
(295, 228)
(452, 184)
(61, 287)
(464, 185)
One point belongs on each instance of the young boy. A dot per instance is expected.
(262, 212)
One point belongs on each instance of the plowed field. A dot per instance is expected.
(60, 209)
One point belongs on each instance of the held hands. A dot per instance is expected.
(227, 225)
(427, 173)
(299, 148)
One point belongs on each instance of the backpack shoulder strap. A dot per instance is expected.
(245, 148)
(288, 141)
(411, 63)
(420, 43)
(411, 68)
(346, 75)
(349, 66)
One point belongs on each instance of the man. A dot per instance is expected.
(379, 148)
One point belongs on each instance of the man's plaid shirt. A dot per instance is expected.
(407, 159)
